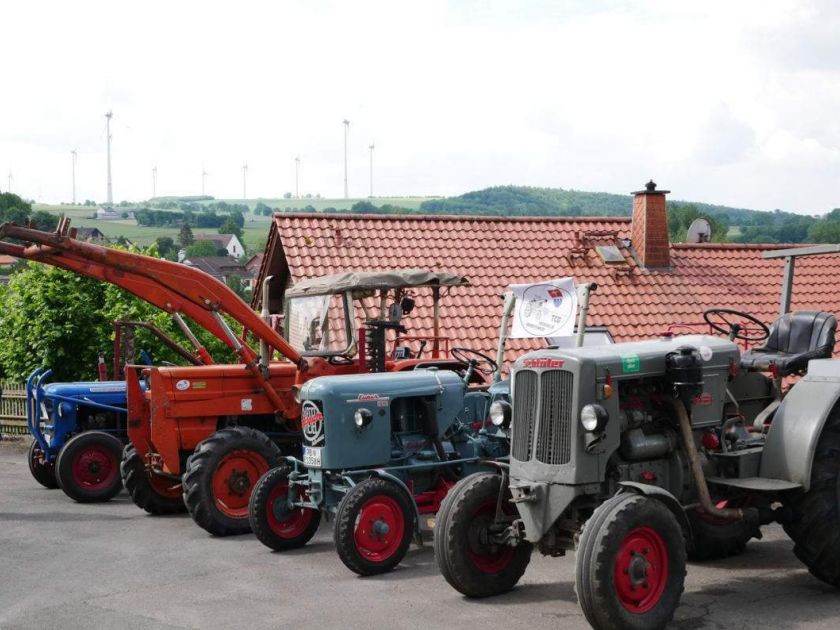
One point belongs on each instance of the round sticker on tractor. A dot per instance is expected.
(312, 423)
(182, 385)
(706, 353)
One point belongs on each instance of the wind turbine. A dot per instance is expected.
(204, 175)
(108, 117)
(73, 156)
(372, 146)
(10, 180)
(154, 181)
(297, 177)
(245, 180)
(346, 136)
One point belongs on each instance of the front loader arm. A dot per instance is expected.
(189, 284)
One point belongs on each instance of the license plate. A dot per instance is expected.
(311, 456)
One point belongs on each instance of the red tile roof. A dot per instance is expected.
(494, 252)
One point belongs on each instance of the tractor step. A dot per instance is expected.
(756, 484)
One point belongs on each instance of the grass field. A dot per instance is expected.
(256, 227)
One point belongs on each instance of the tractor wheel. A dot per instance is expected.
(374, 524)
(44, 473)
(152, 493)
(221, 474)
(815, 527)
(88, 467)
(630, 565)
(470, 563)
(276, 524)
(714, 538)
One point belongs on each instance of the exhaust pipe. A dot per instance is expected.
(705, 498)
(265, 350)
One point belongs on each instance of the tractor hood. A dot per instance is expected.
(330, 403)
(107, 392)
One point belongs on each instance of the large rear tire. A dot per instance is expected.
(374, 523)
(471, 563)
(44, 473)
(815, 527)
(630, 565)
(152, 493)
(88, 467)
(276, 524)
(714, 538)
(221, 475)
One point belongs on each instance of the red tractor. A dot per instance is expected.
(201, 436)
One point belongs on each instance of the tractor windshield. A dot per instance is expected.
(319, 324)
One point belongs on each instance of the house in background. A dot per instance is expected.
(7, 263)
(227, 242)
(646, 285)
(91, 235)
(220, 267)
(253, 265)
(108, 214)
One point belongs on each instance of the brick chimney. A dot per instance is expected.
(649, 231)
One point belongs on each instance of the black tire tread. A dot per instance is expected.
(715, 542)
(449, 546)
(815, 530)
(44, 474)
(135, 480)
(345, 521)
(64, 478)
(593, 574)
(258, 505)
(198, 498)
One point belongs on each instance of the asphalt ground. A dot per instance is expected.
(67, 565)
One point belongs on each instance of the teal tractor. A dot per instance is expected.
(381, 451)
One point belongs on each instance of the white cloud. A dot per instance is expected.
(714, 100)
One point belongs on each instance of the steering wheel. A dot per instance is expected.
(463, 355)
(733, 329)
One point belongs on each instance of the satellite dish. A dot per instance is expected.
(700, 231)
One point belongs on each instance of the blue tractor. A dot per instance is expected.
(79, 447)
(380, 453)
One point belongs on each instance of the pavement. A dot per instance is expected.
(67, 565)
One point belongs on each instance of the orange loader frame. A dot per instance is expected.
(183, 406)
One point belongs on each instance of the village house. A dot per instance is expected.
(220, 267)
(228, 242)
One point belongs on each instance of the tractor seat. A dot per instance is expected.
(795, 339)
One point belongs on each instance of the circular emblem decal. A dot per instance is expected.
(545, 310)
(706, 353)
(182, 385)
(312, 423)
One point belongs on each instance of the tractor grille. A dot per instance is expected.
(548, 397)
(554, 442)
(524, 414)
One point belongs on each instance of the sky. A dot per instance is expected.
(724, 102)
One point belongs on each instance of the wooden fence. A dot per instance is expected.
(13, 409)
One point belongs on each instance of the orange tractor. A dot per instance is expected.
(201, 436)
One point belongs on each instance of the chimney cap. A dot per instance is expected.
(650, 189)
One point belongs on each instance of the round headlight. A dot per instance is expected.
(500, 413)
(362, 417)
(593, 418)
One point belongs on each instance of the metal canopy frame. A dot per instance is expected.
(790, 255)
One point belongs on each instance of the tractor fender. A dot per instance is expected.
(661, 495)
(798, 423)
(399, 482)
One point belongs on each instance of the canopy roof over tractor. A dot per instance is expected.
(375, 280)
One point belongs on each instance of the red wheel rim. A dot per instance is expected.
(94, 468)
(641, 570)
(233, 480)
(379, 529)
(488, 558)
(286, 522)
